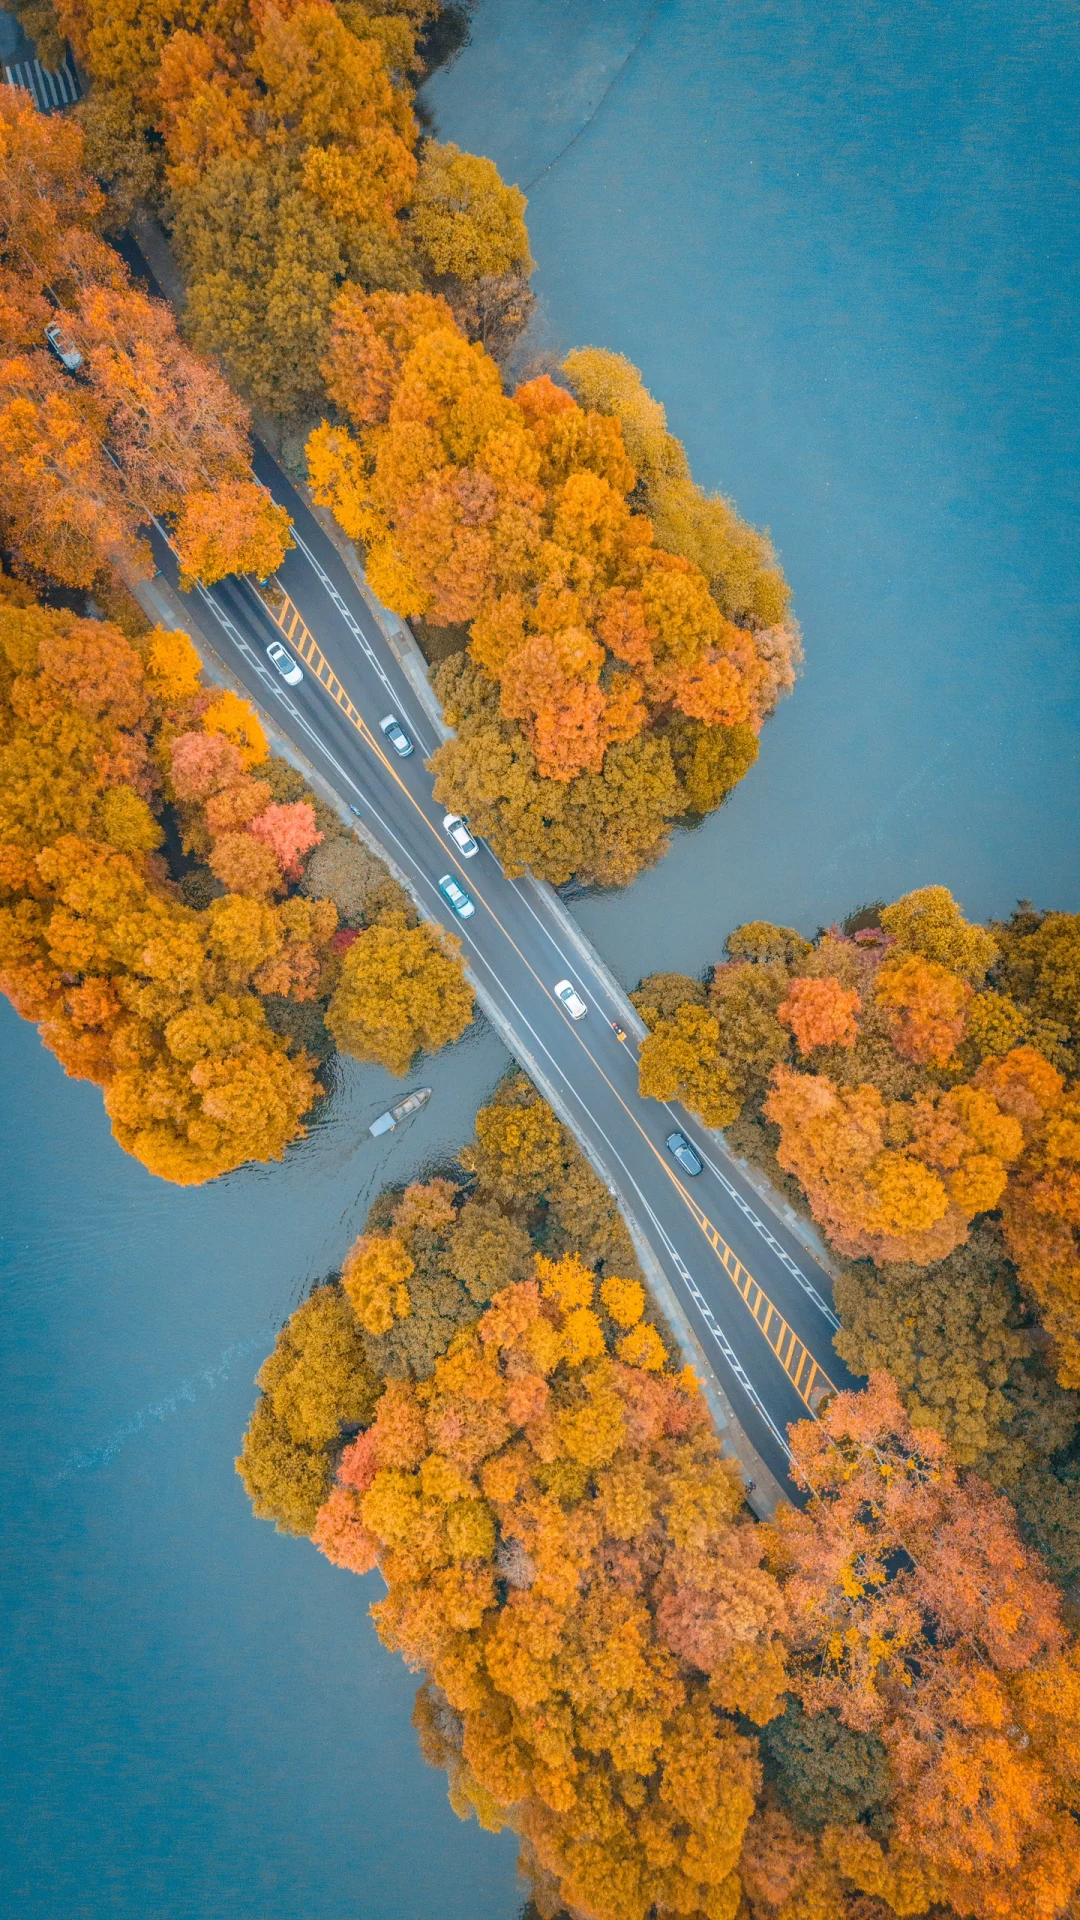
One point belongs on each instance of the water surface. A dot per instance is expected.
(842, 243)
(199, 1720)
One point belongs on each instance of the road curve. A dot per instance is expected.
(759, 1305)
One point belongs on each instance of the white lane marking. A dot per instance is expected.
(354, 628)
(694, 1290)
(718, 1334)
(744, 1206)
(770, 1239)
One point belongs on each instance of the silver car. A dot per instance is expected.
(463, 904)
(396, 735)
(64, 348)
(680, 1149)
(280, 657)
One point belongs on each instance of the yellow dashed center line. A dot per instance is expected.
(810, 1380)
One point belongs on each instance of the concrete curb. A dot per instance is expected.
(763, 1491)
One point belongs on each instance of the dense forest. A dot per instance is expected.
(867, 1708)
(910, 1080)
(191, 927)
(600, 684)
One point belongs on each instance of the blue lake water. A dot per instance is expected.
(841, 244)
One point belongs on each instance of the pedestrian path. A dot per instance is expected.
(49, 91)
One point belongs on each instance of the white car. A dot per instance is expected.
(396, 735)
(571, 999)
(280, 657)
(65, 349)
(457, 827)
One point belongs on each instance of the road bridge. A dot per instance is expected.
(727, 1269)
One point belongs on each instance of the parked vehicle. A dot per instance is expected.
(396, 735)
(680, 1149)
(456, 825)
(64, 348)
(463, 904)
(280, 657)
(571, 999)
(404, 1110)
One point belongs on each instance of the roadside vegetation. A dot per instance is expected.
(146, 429)
(910, 1080)
(863, 1710)
(279, 146)
(602, 684)
(612, 639)
(189, 925)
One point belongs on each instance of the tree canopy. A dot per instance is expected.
(605, 691)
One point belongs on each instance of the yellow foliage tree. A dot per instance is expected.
(401, 988)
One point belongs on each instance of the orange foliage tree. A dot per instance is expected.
(926, 1007)
(512, 516)
(154, 1001)
(564, 1555)
(899, 1180)
(820, 1013)
(148, 428)
(916, 1613)
(1041, 1210)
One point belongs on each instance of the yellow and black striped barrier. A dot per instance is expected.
(810, 1380)
(303, 641)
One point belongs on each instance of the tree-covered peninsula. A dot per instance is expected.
(865, 1709)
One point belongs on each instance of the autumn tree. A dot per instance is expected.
(738, 562)
(604, 690)
(236, 528)
(470, 230)
(465, 221)
(1041, 1210)
(158, 1003)
(401, 988)
(928, 922)
(893, 1181)
(1040, 970)
(820, 1013)
(918, 1617)
(953, 1338)
(926, 1007)
(343, 871)
(597, 1708)
(680, 1061)
(315, 1382)
(148, 429)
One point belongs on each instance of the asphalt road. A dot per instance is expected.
(759, 1305)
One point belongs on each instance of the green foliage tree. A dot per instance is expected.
(825, 1773)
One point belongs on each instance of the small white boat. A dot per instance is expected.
(404, 1110)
